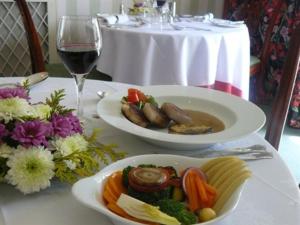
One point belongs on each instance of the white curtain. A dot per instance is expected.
(91, 7)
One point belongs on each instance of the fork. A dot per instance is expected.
(252, 152)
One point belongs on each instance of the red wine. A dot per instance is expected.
(79, 62)
(160, 3)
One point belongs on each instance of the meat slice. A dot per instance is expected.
(189, 129)
(175, 113)
(155, 115)
(133, 114)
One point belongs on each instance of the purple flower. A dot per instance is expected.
(67, 125)
(3, 131)
(32, 133)
(13, 92)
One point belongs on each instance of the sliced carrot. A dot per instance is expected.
(117, 178)
(210, 189)
(201, 189)
(108, 197)
(116, 209)
(194, 202)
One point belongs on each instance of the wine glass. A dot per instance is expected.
(79, 43)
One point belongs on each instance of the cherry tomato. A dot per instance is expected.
(133, 95)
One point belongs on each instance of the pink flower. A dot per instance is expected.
(32, 133)
(13, 92)
(67, 125)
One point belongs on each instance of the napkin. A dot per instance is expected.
(112, 19)
(206, 17)
(227, 23)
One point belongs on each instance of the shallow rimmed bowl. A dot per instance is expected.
(240, 117)
(89, 190)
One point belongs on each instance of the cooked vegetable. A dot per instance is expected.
(125, 175)
(200, 194)
(113, 188)
(177, 194)
(150, 197)
(148, 179)
(144, 211)
(138, 98)
(177, 210)
(206, 214)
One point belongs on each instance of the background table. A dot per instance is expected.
(148, 56)
(270, 197)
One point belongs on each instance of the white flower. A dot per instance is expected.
(16, 107)
(30, 169)
(70, 144)
(5, 150)
(70, 164)
(41, 111)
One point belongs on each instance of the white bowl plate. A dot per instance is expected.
(89, 190)
(240, 117)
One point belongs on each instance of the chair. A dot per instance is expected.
(251, 12)
(35, 49)
(281, 103)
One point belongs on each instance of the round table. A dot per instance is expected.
(201, 55)
(270, 197)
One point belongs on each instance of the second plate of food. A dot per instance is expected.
(233, 116)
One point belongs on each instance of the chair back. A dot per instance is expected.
(279, 111)
(35, 49)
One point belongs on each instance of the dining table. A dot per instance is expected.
(187, 52)
(270, 197)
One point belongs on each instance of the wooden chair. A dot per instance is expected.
(281, 103)
(35, 49)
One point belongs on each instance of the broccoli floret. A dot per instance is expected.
(150, 197)
(177, 210)
(125, 175)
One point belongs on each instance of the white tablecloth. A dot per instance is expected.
(270, 197)
(218, 58)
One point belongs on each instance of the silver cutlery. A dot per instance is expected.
(30, 80)
(253, 152)
(102, 94)
(178, 27)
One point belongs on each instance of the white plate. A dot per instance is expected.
(89, 190)
(240, 117)
(227, 23)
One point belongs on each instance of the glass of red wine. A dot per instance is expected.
(79, 44)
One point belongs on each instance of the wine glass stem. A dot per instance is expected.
(79, 80)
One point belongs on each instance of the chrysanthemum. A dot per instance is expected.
(41, 111)
(70, 144)
(30, 169)
(3, 131)
(13, 92)
(11, 108)
(65, 125)
(32, 133)
(5, 150)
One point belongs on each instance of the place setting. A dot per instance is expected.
(171, 139)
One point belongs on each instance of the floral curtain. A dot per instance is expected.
(286, 21)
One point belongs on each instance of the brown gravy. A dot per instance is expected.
(202, 118)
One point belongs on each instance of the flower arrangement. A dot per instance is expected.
(39, 142)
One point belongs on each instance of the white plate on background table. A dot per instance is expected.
(89, 190)
(227, 23)
(240, 117)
